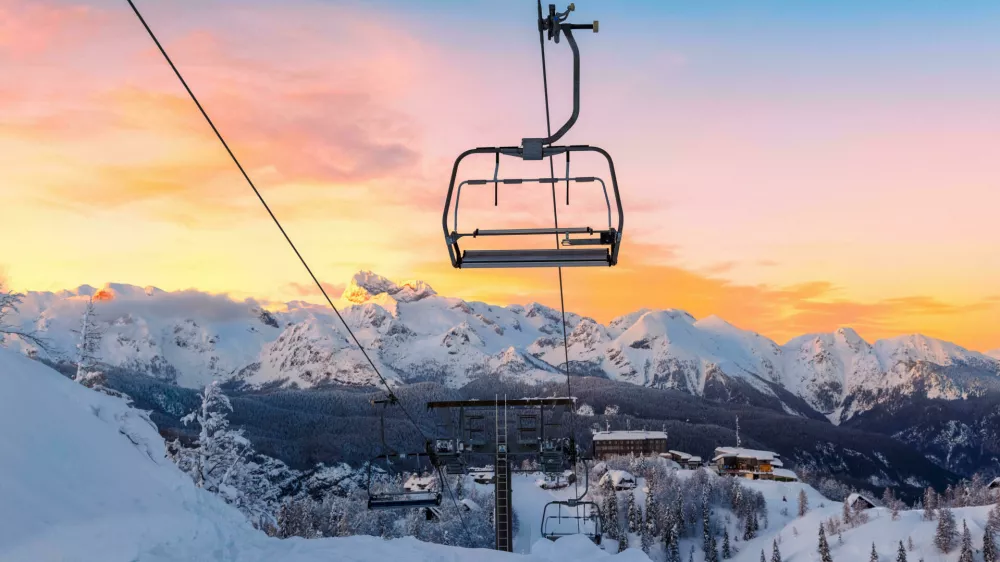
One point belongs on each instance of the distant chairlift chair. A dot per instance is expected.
(586, 245)
(399, 497)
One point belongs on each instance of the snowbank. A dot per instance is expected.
(83, 477)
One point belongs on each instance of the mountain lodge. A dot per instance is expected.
(639, 443)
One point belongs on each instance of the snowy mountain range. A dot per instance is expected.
(413, 334)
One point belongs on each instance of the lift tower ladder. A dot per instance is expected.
(504, 515)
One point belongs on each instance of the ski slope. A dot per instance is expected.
(83, 477)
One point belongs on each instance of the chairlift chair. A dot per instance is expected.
(580, 245)
(585, 517)
(401, 498)
(559, 521)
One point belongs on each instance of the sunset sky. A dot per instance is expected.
(789, 166)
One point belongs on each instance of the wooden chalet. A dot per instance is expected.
(748, 463)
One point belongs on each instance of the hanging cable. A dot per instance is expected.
(292, 245)
(555, 217)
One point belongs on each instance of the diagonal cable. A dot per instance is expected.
(287, 239)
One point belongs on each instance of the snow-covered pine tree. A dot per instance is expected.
(673, 539)
(989, 546)
(609, 511)
(727, 551)
(993, 520)
(460, 486)
(633, 514)
(824, 547)
(965, 555)
(909, 544)
(847, 514)
(88, 345)
(930, 504)
(775, 553)
(9, 301)
(219, 448)
(901, 553)
(874, 555)
(652, 512)
(691, 554)
(894, 513)
(803, 503)
(706, 524)
(944, 538)
(713, 551)
(762, 557)
(647, 533)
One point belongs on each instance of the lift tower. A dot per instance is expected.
(526, 428)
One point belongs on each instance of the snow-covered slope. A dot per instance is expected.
(413, 334)
(994, 353)
(83, 477)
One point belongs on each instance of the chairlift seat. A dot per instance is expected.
(404, 500)
(534, 258)
(579, 246)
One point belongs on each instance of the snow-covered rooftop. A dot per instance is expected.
(684, 456)
(618, 477)
(628, 435)
(739, 452)
(855, 496)
(785, 473)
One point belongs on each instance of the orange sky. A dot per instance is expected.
(787, 190)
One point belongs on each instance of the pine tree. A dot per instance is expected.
(944, 538)
(460, 486)
(930, 504)
(609, 512)
(219, 448)
(895, 510)
(762, 558)
(647, 533)
(909, 544)
(90, 333)
(652, 513)
(775, 553)
(901, 553)
(989, 546)
(993, 521)
(803, 503)
(691, 554)
(848, 514)
(966, 553)
(824, 547)
(727, 551)
(674, 548)
(713, 551)
(874, 554)
(633, 514)
(706, 525)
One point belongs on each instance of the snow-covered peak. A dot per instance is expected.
(917, 347)
(994, 353)
(365, 285)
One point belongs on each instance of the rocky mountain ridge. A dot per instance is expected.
(413, 334)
